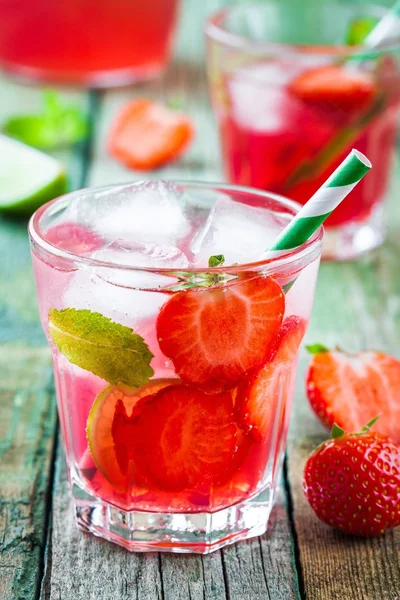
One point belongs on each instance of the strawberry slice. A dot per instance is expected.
(350, 389)
(180, 438)
(146, 135)
(105, 445)
(214, 336)
(334, 87)
(73, 238)
(265, 390)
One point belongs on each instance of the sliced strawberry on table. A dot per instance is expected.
(335, 87)
(214, 336)
(146, 135)
(349, 389)
(264, 389)
(113, 401)
(183, 438)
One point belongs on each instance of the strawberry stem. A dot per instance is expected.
(316, 348)
(336, 432)
(216, 261)
(370, 423)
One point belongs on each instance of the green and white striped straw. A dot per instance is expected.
(387, 28)
(342, 181)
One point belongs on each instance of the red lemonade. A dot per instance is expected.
(174, 378)
(291, 100)
(86, 41)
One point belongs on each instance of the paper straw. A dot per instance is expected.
(387, 28)
(342, 181)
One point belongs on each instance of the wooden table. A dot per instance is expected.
(42, 554)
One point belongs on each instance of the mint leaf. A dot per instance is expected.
(56, 126)
(97, 344)
(359, 30)
(316, 348)
(336, 432)
(177, 102)
(216, 261)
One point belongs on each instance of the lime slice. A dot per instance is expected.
(28, 178)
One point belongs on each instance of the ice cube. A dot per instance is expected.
(136, 254)
(146, 212)
(240, 232)
(116, 293)
(259, 99)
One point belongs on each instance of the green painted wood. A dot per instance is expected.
(27, 406)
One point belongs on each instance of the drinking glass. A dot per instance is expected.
(174, 383)
(290, 103)
(89, 42)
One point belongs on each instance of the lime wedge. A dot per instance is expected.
(28, 178)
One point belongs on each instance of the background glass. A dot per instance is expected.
(276, 135)
(93, 42)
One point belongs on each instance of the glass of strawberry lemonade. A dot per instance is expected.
(291, 100)
(174, 338)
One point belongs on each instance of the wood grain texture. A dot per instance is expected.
(357, 305)
(81, 566)
(27, 422)
(27, 406)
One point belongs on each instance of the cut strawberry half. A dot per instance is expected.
(183, 438)
(146, 135)
(214, 336)
(335, 87)
(350, 389)
(265, 390)
(115, 400)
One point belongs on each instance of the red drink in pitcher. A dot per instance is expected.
(86, 41)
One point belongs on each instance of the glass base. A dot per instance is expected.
(353, 240)
(200, 533)
(91, 80)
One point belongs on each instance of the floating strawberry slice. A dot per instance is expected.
(73, 238)
(114, 400)
(183, 438)
(335, 87)
(145, 135)
(259, 396)
(214, 336)
(349, 389)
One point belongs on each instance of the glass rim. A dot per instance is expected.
(285, 258)
(216, 31)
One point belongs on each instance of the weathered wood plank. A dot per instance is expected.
(81, 566)
(357, 306)
(26, 438)
(258, 569)
(27, 407)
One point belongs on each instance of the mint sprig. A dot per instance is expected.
(316, 348)
(95, 343)
(359, 29)
(57, 125)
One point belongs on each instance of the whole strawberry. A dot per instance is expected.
(352, 482)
